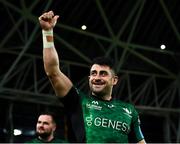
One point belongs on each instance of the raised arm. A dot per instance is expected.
(60, 82)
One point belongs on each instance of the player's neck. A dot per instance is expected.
(48, 139)
(106, 97)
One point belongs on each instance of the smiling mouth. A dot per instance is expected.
(98, 83)
(40, 129)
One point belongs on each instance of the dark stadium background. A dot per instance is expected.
(128, 31)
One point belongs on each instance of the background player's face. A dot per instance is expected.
(101, 80)
(45, 126)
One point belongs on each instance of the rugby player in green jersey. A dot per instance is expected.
(45, 129)
(94, 118)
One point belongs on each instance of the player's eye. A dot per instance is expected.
(103, 73)
(93, 73)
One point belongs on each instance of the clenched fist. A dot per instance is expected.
(48, 20)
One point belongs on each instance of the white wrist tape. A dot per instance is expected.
(48, 41)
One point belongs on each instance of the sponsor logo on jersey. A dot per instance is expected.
(95, 102)
(94, 105)
(107, 123)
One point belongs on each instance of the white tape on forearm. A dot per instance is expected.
(48, 41)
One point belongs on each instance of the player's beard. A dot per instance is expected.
(43, 135)
(98, 90)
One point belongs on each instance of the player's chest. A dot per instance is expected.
(113, 111)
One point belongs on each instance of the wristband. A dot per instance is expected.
(48, 41)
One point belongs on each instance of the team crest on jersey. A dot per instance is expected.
(127, 112)
(111, 106)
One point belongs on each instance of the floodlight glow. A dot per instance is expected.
(83, 27)
(162, 46)
(17, 132)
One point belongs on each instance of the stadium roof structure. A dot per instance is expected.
(130, 32)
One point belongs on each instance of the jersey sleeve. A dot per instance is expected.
(74, 115)
(136, 134)
(71, 101)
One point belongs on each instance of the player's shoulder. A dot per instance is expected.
(124, 104)
(57, 140)
(35, 140)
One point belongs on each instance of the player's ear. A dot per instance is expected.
(54, 127)
(115, 80)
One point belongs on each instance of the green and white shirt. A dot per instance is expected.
(55, 140)
(103, 121)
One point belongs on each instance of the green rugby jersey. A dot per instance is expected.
(55, 140)
(105, 121)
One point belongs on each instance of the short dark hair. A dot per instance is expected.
(103, 61)
(52, 114)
